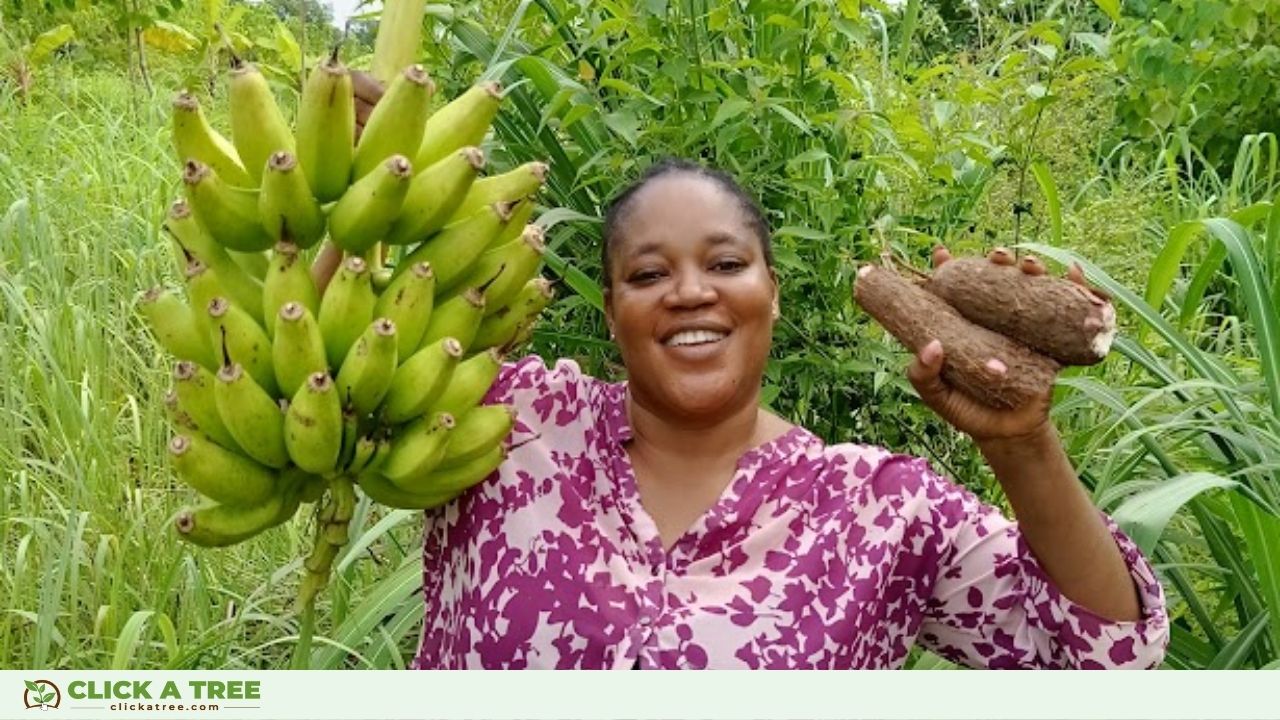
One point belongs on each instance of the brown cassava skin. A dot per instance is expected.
(1050, 315)
(916, 317)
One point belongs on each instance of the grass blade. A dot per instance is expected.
(1144, 515)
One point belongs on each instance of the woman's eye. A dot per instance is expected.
(645, 276)
(729, 265)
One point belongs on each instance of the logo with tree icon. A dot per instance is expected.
(41, 694)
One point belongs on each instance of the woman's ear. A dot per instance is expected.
(608, 310)
(777, 312)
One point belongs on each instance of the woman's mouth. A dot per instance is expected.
(692, 338)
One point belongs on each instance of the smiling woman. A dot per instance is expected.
(670, 522)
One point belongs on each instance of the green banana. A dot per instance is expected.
(252, 263)
(242, 340)
(313, 425)
(178, 418)
(174, 326)
(365, 212)
(417, 449)
(381, 279)
(502, 328)
(458, 317)
(510, 186)
(346, 309)
(193, 240)
(381, 490)
(367, 369)
(194, 137)
(395, 126)
(477, 432)
(327, 129)
(350, 435)
(222, 525)
(286, 207)
(258, 128)
(446, 482)
(253, 416)
(219, 474)
(297, 350)
(504, 270)
(362, 457)
(420, 380)
(407, 301)
(454, 249)
(288, 280)
(463, 122)
(521, 214)
(434, 195)
(229, 213)
(471, 381)
(194, 388)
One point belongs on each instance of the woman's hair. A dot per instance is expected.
(620, 205)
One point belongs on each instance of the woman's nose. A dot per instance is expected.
(691, 289)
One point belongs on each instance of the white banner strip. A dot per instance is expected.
(948, 695)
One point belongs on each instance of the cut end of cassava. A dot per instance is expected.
(400, 167)
(422, 270)
(385, 327)
(179, 445)
(319, 382)
(291, 311)
(355, 265)
(231, 372)
(474, 156)
(452, 347)
(218, 307)
(186, 102)
(180, 209)
(282, 161)
(194, 171)
(184, 370)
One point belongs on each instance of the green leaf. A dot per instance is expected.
(1164, 270)
(287, 46)
(1261, 532)
(33, 687)
(382, 601)
(1144, 516)
(1237, 651)
(132, 632)
(729, 109)
(1050, 189)
(801, 232)
(576, 279)
(170, 38)
(625, 124)
(1110, 7)
(48, 41)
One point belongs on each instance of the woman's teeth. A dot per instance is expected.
(695, 337)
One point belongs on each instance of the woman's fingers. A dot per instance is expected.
(367, 89)
(1031, 265)
(940, 255)
(1001, 256)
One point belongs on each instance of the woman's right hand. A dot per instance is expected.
(367, 92)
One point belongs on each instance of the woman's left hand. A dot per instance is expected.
(980, 421)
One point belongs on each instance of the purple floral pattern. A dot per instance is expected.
(816, 556)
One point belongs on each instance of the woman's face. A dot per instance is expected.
(692, 302)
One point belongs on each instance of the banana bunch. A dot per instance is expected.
(284, 393)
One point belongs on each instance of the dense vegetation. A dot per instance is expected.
(1137, 141)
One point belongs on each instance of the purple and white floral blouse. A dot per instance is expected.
(815, 556)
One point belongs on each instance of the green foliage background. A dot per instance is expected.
(1135, 140)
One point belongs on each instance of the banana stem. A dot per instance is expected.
(331, 534)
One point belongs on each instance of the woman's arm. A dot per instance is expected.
(1055, 516)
